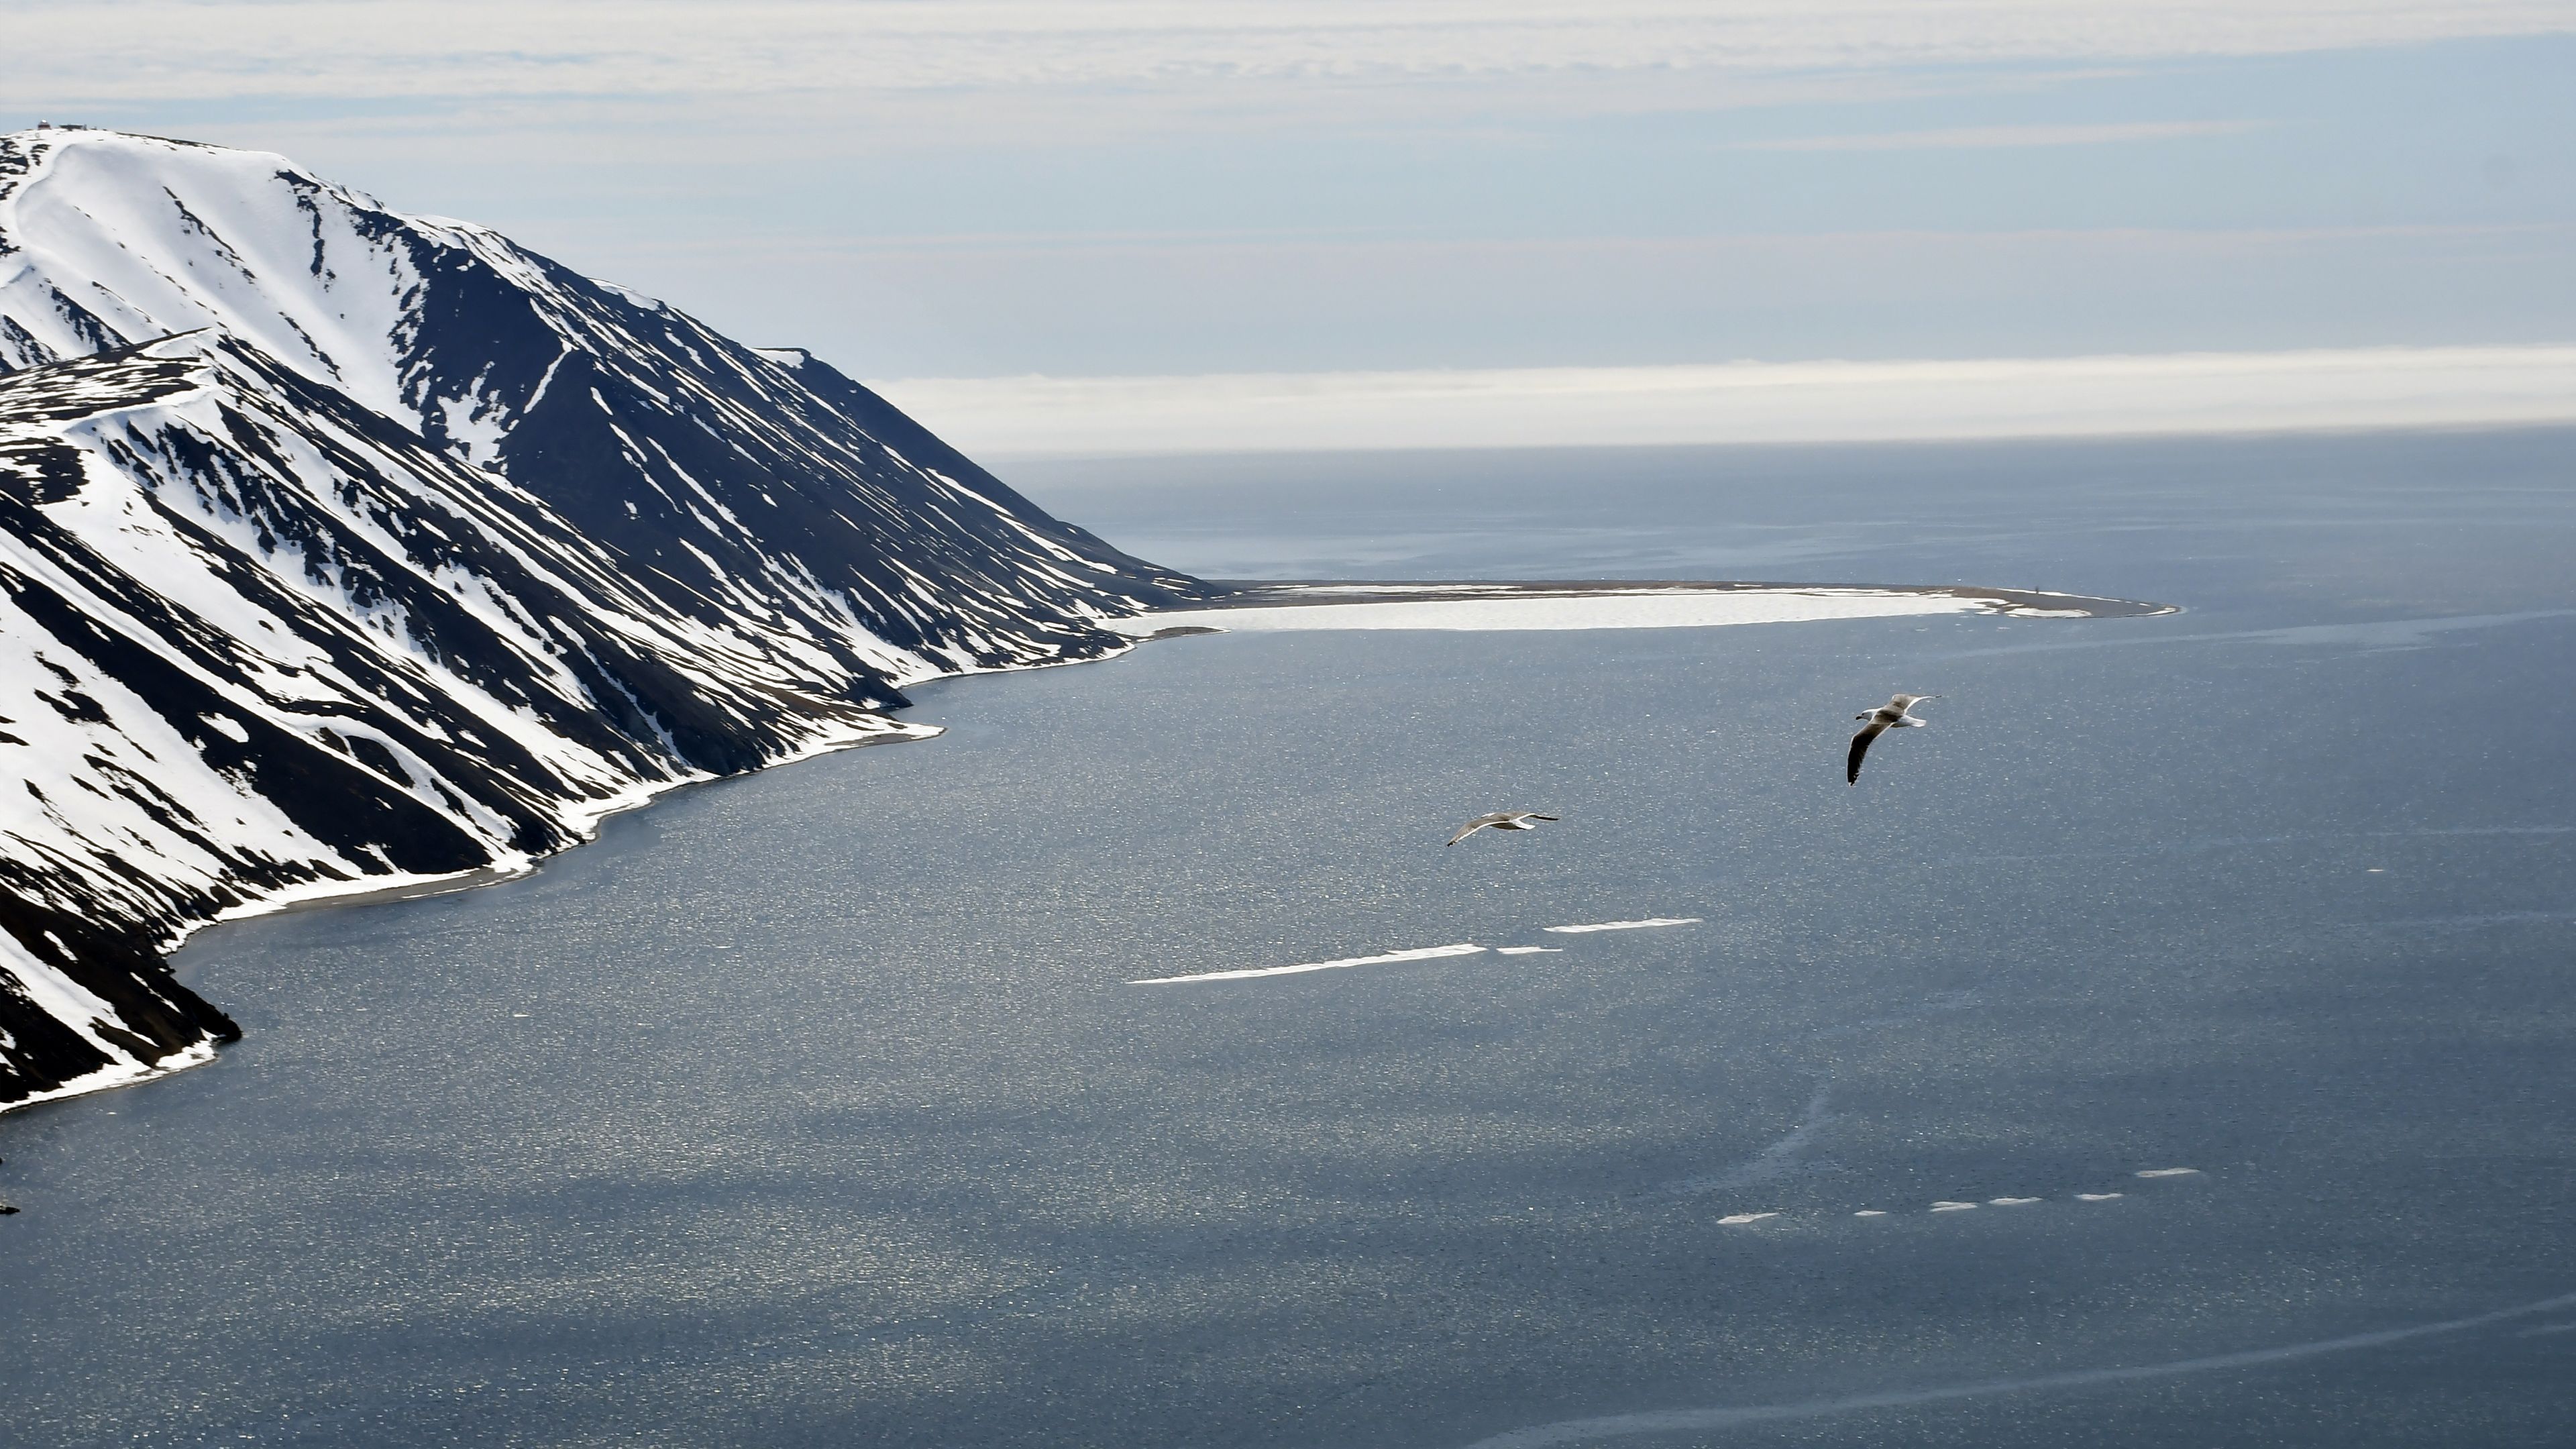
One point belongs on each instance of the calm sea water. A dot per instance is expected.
(813, 1109)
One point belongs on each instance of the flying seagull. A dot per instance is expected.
(1499, 820)
(1889, 716)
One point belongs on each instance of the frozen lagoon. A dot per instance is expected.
(1487, 606)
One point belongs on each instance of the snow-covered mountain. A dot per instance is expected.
(341, 548)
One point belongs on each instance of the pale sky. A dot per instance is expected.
(1084, 190)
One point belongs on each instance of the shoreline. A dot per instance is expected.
(1241, 594)
(377, 890)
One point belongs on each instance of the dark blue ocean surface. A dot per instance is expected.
(814, 1109)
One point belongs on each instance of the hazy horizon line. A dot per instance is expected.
(1827, 401)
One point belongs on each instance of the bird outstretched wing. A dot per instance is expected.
(1860, 747)
(1479, 823)
(1502, 819)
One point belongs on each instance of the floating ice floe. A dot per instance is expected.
(1949, 1206)
(1425, 953)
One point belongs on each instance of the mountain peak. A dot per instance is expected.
(340, 548)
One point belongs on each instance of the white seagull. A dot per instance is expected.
(1889, 716)
(1499, 820)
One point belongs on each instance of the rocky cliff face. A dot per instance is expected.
(342, 549)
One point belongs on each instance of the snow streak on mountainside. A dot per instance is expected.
(341, 549)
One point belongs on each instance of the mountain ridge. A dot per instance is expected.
(341, 549)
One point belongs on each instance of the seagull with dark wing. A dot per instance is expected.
(1499, 820)
(1889, 716)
